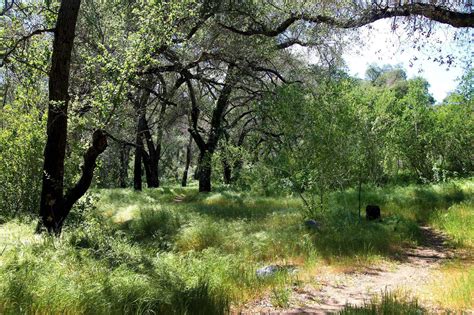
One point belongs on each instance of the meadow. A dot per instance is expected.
(174, 251)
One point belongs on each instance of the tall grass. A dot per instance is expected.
(53, 277)
(174, 251)
(453, 287)
(389, 303)
(458, 223)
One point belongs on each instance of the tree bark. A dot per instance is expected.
(227, 170)
(99, 144)
(54, 206)
(205, 171)
(184, 180)
(154, 151)
(137, 167)
(372, 13)
(151, 158)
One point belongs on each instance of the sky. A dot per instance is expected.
(383, 46)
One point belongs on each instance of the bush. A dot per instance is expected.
(21, 160)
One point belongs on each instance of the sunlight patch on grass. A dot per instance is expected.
(15, 234)
(453, 287)
(125, 214)
(458, 223)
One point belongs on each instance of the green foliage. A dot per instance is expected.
(21, 152)
(315, 127)
(347, 132)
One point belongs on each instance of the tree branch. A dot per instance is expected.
(99, 144)
(21, 40)
(7, 7)
(430, 11)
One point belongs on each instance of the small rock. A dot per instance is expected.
(267, 271)
(270, 270)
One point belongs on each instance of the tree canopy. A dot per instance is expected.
(215, 85)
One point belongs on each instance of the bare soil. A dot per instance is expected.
(332, 290)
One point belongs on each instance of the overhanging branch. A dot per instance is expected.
(430, 11)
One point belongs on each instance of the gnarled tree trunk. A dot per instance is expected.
(55, 206)
(208, 148)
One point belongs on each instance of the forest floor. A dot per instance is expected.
(332, 289)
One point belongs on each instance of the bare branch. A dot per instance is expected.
(430, 11)
(7, 7)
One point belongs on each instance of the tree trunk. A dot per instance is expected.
(184, 180)
(137, 169)
(154, 180)
(205, 171)
(147, 167)
(227, 171)
(54, 206)
(207, 148)
(152, 157)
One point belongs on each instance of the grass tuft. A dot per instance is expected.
(390, 303)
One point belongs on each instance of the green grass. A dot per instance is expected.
(457, 222)
(388, 303)
(175, 251)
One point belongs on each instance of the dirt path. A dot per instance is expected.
(335, 290)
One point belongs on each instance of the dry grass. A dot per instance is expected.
(453, 287)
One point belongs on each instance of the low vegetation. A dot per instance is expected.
(171, 250)
(453, 287)
(387, 303)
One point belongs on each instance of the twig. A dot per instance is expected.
(23, 39)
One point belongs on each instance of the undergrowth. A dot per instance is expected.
(174, 251)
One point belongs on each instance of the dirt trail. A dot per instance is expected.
(335, 290)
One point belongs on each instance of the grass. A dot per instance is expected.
(389, 303)
(453, 287)
(175, 251)
(457, 222)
